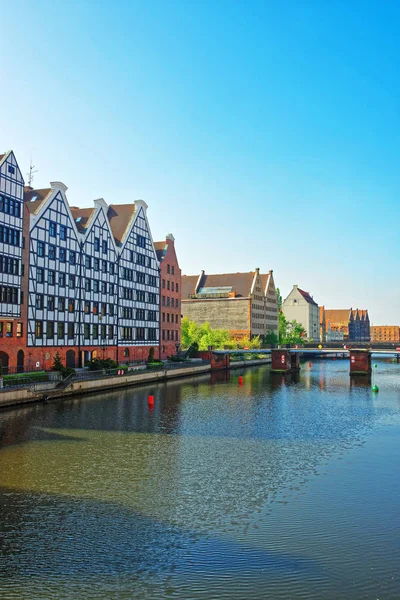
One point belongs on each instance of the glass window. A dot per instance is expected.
(62, 255)
(52, 228)
(52, 252)
(95, 333)
(19, 329)
(72, 257)
(60, 330)
(50, 303)
(51, 277)
(61, 304)
(71, 331)
(40, 275)
(97, 244)
(50, 330)
(61, 279)
(63, 232)
(71, 281)
(71, 305)
(40, 248)
(39, 329)
(39, 301)
(104, 246)
(87, 331)
(96, 264)
(88, 262)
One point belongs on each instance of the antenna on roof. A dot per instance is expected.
(31, 173)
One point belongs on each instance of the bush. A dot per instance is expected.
(98, 364)
(151, 355)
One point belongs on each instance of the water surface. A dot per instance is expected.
(283, 488)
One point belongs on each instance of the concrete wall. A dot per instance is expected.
(223, 313)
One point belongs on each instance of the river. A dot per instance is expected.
(280, 489)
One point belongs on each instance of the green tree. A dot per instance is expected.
(57, 363)
(271, 338)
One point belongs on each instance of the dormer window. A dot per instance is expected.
(11, 169)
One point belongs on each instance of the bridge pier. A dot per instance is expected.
(284, 361)
(360, 362)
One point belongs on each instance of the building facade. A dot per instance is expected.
(301, 307)
(354, 325)
(170, 294)
(385, 333)
(85, 281)
(243, 303)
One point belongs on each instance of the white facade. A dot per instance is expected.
(139, 284)
(11, 219)
(301, 307)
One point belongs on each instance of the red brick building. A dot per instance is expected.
(170, 296)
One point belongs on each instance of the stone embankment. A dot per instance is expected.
(76, 387)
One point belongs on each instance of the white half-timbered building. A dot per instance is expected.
(99, 279)
(11, 222)
(139, 279)
(53, 314)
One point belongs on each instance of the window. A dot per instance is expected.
(140, 335)
(52, 252)
(163, 317)
(140, 296)
(103, 332)
(176, 303)
(97, 244)
(173, 270)
(176, 287)
(104, 287)
(51, 277)
(61, 304)
(63, 232)
(103, 309)
(50, 330)
(96, 264)
(163, 334)
(141, 241)
(132, 255)
(149, 262)
(152, 298)
(168, 287)
(50, 303)
(104, 246)
(40, 275)
(72, 257)
(60, 330)
(140, 314)
(71, 305)
(152, 315)
(96, 286)
(104, 266)
(39, 329)
(61, 279)
(95, 308)
(163, 284)
(176, 318)
(168, 269)
(88, 285)
(86, 331)
(127, 333)
(88, 261)
(39, 301)
(111, 289)
(126, 353)
(40, 248)
(19, 329)
(11, 169)
(163, 300)
(71, 282)
(153, 280)
(52, 229)
(9, 329)
(62, 255)
(111, 310)
(140, 277)
(172, 286)
(140, 259)
(95, 332)
(110, 332)
(152, 334)
(112, 270)
(167, 317)
(71, 331)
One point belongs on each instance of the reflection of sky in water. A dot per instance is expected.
(220, 490)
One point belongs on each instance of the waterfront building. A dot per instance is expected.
(385, 333)
(353, 324)
(85, 282)
(170, 296)
(335, 334)
(300, 306)
(11, 238)
(243, 303)
(322, 324)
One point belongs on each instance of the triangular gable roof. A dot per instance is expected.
(2, 156)
(120, 218)
(35, 198)
(82, 217)
(160, 248)
(241, 283)
(307, 297)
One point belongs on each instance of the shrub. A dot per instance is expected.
(98, 364)
(151, 355)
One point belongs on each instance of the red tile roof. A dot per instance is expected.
(120, 217)
(307, 297)
(84, 215)
(35, 198)
(239, 282)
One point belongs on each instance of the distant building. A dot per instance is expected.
(322, 324)
(385, 333)
(334, 335)
(353, 324)
(170, 282)
(301, 307)
(244, 303)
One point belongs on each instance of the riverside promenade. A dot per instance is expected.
(89, 382)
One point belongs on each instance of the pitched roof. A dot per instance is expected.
(120, 217)
(2, 156)
(307, 297)
(160, 248)
(264, 279)
(35, 198)
(82, 217)
(336, 316)
(240, 283)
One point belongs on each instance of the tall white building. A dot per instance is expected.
(301, 307)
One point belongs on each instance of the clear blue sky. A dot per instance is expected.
(261, 134)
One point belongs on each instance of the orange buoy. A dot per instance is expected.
(150, 400)
(240, 380)
(309, 364)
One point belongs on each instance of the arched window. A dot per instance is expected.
(126, 353)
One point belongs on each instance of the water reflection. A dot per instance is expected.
(208, 495)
